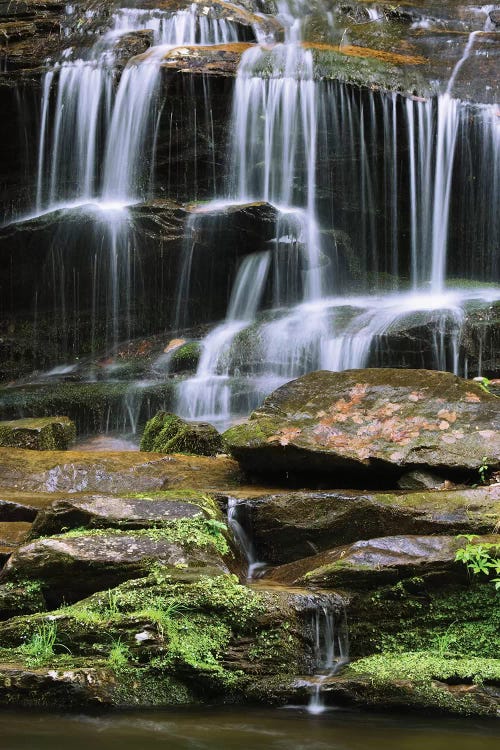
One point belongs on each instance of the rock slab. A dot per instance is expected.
(375, 423)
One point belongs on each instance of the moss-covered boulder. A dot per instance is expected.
(375, 562)
(185, 357)
(78, 563)
(167, 433)
(41, 434)
(371, 424)
(287, 526)
(162, 640)
(106, 511)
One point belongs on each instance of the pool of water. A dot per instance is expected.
(241, 729)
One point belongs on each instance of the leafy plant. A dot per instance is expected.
(119, 655)
(479, 558)
(483, 470)
(40, 647)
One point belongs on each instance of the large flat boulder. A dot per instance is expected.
(370, 424)
(42, 433)
(113, 472)
(287, 526)
(102, 511)
(376, 562)
(74, 565)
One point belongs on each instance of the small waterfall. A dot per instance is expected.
(235, 518)
(120, 126)
(207, 395)
(331, 643)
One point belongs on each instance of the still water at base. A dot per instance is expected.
(241, 729)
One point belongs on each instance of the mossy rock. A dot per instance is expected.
(73, 565)
(94, 407)
(371, 563)
(49, 433)
(167, 433)
(185, 358)
(208, 638)
(370, 425)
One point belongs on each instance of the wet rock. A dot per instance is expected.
(20, 598)
(12, 534)
(167, 433)
(22, 506)
(75, 565)
(127, 472)
(420, 480)
(371, 425)
(50, 433)
(131, 45)
(418, 681)
(494, 16)
(94, 407)
(160, 230)
(377, 562)
(291, 525)
(103, 511)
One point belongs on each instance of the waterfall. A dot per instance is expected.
(117, 124)
(235, 513)
(368, 187)
(207, 396)
(331, 651)
(326, 309)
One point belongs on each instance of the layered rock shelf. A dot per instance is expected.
(131, 569)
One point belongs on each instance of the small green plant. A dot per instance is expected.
(119, 655)
(484, 470)
(479, 558)
(40, 648)
(444, 641)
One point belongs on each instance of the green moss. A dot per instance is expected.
(185, 358)
(274, 649)
(193, 533)
(167, 433)
(44, 434)
(413, 678)
(409, 616)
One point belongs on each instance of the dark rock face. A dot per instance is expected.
(374, 422)
(50, 433)
(40, 258)
(291, 525)
(167, 433)
(376, 562)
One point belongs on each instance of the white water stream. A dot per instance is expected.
(280, 117)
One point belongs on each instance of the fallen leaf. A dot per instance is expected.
(472, 398)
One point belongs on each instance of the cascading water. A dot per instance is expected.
(116, 125)
(367, 186)
(331, 643)
(285, 124)
(235, 512)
